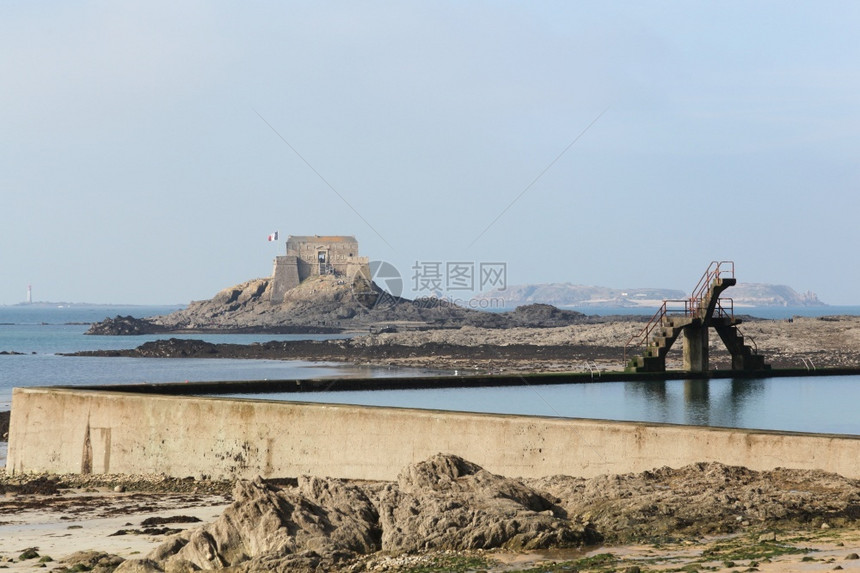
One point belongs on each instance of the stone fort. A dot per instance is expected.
(316, 255)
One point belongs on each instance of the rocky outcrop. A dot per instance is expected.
(321, 523)
(705, 499)
(327, 304)
(448, 506)
(543, 316)
(125, 325)
(176, 348)
(95, 561)
(447, 502)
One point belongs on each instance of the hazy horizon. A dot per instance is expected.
(36, 302)
(150, 148)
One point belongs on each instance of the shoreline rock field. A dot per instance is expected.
(444, 513)
(822, 342)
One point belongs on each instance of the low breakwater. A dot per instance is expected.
(64, 430)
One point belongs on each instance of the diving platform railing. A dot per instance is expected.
(690, 308)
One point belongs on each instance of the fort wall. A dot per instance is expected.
(66, 430)
(285, 276)
(309, 256)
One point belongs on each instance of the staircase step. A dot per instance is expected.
(646, 364)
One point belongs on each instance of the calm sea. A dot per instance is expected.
(40, 333)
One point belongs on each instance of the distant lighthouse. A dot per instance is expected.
(29, 294)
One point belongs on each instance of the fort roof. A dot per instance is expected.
(322, 238)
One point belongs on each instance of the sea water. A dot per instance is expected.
(41, 333)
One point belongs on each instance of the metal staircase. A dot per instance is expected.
(692, 317)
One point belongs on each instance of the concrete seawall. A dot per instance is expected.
(65, 430)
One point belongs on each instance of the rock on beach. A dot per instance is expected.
(446, 503)
(442, 503)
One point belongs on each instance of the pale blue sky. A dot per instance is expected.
(135, 167)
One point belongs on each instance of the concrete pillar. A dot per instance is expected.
(695, 348)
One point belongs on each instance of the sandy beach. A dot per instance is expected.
(92, 520)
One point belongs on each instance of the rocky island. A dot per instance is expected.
(328, 304)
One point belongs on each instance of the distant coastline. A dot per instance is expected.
(60, 304)
(579, 297)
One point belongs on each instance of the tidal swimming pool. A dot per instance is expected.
(820, 404)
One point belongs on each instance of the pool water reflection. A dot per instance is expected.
(825, 404)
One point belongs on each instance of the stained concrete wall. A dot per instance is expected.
(65, 430)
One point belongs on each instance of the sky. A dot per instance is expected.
(149, 148)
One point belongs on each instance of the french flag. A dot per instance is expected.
(273, 236)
